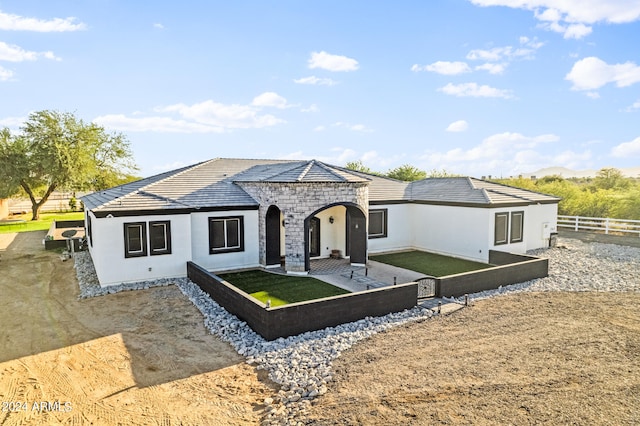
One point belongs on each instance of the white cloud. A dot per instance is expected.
(225, 116)
(158, 25)
(13, 53)
(492, 68)
(311, 108)
(354, 127)
(5, 74)
(12, 122)
(475, 90)
(458, 126)
(573, 18)
(592, 73)
(270, 99)
(507, 153)
(627, 149)
(326, 61)
(153, 124)
(633, 107)
(593, 95)
(316, 81)
(319, 129)
(20, 23)
(526, 50)
(443, 67)
(202, 117)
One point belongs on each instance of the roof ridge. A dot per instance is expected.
(329, 169)
(305, 171)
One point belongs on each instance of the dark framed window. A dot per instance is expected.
(160, 237)
(517, 226)
(135, 239)
(378, 223)
(89, 233)
(226, 234)
(501, 231)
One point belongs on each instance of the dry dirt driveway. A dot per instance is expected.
(525, 359)
(133, 358)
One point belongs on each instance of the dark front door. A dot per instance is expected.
(356, 235)
(272, 234)
(314, 237)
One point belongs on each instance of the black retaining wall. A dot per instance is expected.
(511, 269)
(296, 318)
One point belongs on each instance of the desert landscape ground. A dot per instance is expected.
(144, 358)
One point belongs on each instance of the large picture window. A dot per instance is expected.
(378, 223)
(501, 229)
(226, 234)
(160, 237)
(135, 239)
(517, 226)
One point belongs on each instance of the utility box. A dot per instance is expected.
(553, 239)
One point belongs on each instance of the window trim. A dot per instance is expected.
(512, 239)
(385, 214)
(89, 229)
(143, 239)
(167, 237)
(226, 249)
(506, 229)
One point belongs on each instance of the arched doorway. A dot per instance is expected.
(272, 236)
(354, 236)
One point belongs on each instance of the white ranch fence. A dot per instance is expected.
(601, 224)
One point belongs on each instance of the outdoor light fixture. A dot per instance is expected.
(331, 219)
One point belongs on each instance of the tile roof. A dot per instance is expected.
(212, 184)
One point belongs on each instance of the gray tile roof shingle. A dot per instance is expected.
(212, 184)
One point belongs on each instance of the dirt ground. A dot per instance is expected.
(536, 358)
(133, 358)
(144, 358)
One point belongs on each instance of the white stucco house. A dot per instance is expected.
(226, 214)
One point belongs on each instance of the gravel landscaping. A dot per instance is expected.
(302, 365)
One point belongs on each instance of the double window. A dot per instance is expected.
(504, 234)
(378, 223)
(135, 238)
(226, 234)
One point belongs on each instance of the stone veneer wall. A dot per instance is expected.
(297, 201)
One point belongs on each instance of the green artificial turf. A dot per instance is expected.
(280, 289)
(42, 224)
(429, 263)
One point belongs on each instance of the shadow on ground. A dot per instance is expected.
(162, 331)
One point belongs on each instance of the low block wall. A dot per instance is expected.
(511, 269)
(51, 242)
(296, 318)
(68, 224)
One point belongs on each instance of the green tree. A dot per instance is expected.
(610, 178)
(435, 173)
(407, 173)
(57, 150)
(358, 166)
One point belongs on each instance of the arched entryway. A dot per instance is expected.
(273, 236)
(348, 220)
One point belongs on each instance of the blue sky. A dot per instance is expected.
(475, 87)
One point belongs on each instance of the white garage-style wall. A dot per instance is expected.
(248, 258)
(451, 230)
(108, 250)
(465, 232)
(400, 229)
